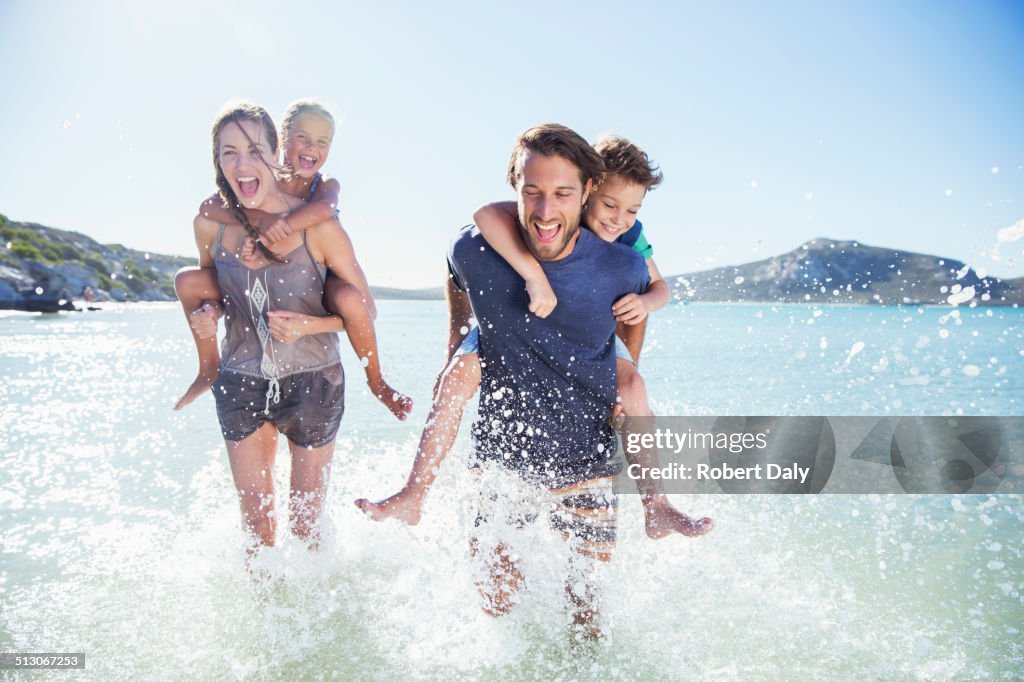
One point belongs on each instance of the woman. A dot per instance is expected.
(280, 369)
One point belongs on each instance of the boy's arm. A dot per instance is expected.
(633, 336)
(497, 223)
(658, 294)
(632, 309)
(205, 231)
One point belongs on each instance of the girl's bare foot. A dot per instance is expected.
(663, 519)
(402, 505)
(399, 403)
(201, 385)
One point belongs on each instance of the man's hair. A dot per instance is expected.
(552, 139)
(623, 158)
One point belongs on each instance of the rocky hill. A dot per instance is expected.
(828, 271)
(43, 268)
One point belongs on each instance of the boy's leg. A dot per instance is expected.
(194, 286)
(662, 518)
(347, 300)
(456, 385)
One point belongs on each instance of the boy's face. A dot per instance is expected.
(307, 144)
(550, 203)
(613, 207)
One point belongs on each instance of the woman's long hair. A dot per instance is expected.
(236, 112)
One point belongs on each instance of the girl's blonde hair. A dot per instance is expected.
(300, 107)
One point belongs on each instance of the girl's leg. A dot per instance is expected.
(311, 472)
(456, 385)
(661, 517)
(252, 464)
(347, 300)
(195, 286)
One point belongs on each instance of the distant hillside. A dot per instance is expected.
(41, 266)
(827, 271)
(44, 269)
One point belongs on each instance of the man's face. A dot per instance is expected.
(551, 198)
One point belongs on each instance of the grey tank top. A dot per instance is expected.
(295, 285)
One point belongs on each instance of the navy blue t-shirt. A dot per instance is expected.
(547, 385)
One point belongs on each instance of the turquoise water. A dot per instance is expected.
(121, 535)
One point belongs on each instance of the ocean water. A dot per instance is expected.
(121, 535)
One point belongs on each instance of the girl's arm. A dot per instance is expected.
(321, 207)
(497, 223)
(213, 208)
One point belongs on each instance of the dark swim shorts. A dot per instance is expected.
(308, 413)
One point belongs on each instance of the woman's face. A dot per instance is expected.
(613, 207)
(307, 144)
(242, 152)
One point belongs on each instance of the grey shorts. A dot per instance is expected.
(471, 344)
(308, 412)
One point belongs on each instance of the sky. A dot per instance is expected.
(896, 124)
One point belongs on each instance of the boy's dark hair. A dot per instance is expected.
(623, 158)
(552, 139)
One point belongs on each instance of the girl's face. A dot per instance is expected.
(307, 144)
(242, 152)
(613, 206)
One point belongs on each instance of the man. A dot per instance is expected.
(548, 385)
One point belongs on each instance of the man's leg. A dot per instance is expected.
(587, 517)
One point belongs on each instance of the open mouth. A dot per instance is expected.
(547, 233)
(307, 162)
(609, 229)
(248, 186)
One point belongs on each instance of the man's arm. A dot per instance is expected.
(459, 314)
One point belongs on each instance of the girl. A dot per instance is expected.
(307, 130)
(281, 370)
(611, 214)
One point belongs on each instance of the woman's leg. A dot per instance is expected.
(347, 300)
(195, 286)
(311, 472)
(252, 464)
(456, 385)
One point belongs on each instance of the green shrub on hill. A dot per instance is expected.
(26, 250)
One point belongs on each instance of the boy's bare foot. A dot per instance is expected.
(399, 403)
(402, 506)
(663, 519)
(201, 385)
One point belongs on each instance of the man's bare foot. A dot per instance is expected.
(399, 403)
(200, 386)
(402, 506)
(663, 519)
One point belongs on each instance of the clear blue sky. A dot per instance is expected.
(853, 119)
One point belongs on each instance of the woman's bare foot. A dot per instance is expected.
(663, 519)
(403, 506)
(201, 385)
(399, 403)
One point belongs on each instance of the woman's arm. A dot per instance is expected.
(498, 225)
(337, 252)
